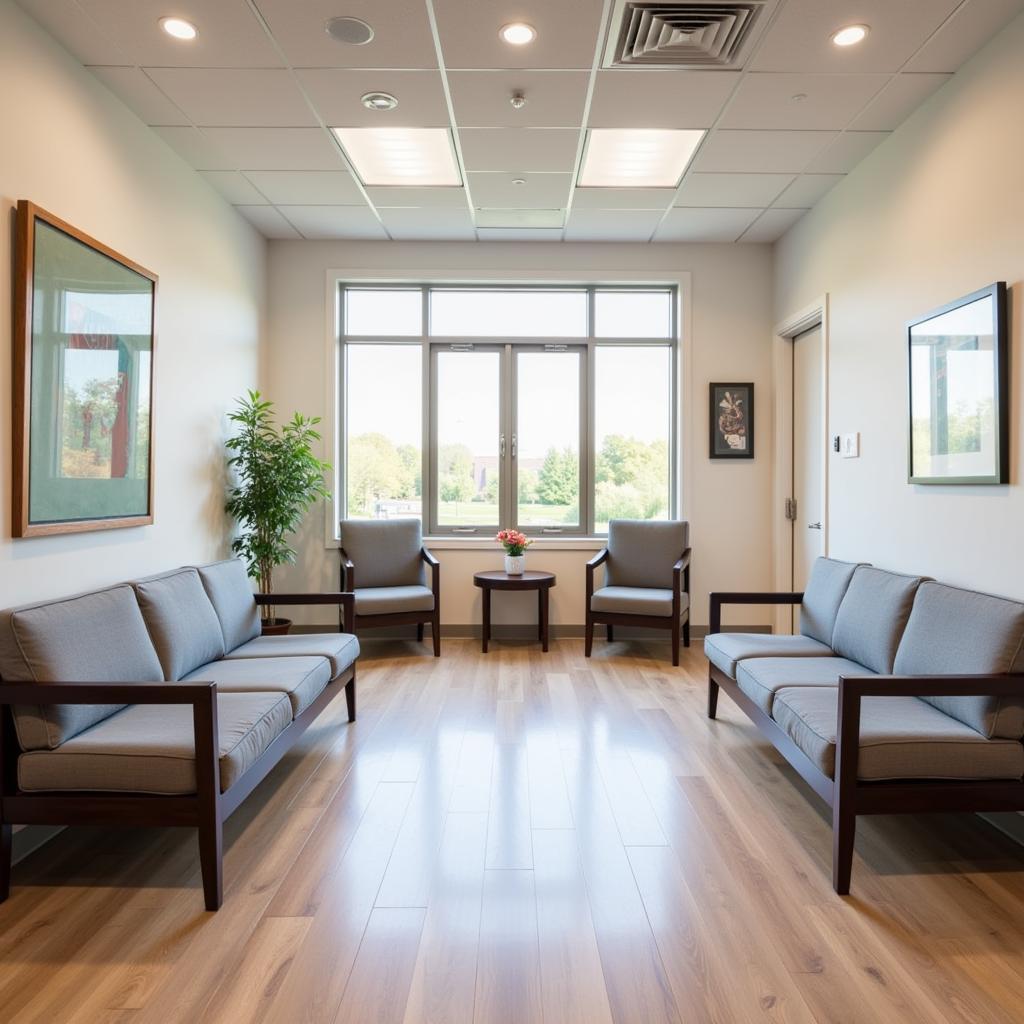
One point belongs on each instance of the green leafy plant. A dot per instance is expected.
(277, 478)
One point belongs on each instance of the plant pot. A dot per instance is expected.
(515, 565)
(276, 627)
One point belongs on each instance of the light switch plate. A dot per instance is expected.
(851, 446)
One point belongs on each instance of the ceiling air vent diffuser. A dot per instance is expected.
(682, 35)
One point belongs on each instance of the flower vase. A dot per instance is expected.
(515, 565)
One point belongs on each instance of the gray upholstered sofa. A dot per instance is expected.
(156, 702)
(899, 694)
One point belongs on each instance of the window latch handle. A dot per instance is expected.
(501, 445)
(513, 446)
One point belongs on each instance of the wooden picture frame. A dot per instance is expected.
(731, 421)
(84, 351)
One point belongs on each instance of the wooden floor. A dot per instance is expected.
(522, 837)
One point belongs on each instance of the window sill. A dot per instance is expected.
(487, 543)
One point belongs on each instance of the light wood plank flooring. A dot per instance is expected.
(522, 838)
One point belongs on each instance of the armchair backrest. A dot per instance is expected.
(641, 552)
(385, 552)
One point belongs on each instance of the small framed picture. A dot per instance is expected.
(731, 408)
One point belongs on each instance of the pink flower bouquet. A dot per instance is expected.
(514, 542)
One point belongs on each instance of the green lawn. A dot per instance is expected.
(475, 513)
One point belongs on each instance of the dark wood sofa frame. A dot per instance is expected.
(680, 580)
(846, 795)
(205, 810)
(353, 623)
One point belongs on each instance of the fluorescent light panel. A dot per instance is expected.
(401, 156)
(637, 157)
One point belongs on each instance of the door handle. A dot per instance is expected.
(814, 526)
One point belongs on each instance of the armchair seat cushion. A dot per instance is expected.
(761, 678)
(390, 600)
(150, 748)
(725, 650)
(340, 649)
(900, 738)
(302, 679)
(652, 601)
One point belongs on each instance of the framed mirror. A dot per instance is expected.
(959, 392)
(83, 381)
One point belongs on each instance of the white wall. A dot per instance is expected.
(730, 339)
(74, 149)
(936, 212)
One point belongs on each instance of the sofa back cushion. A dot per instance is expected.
(953, 631)
(386, 552)
(641, 553)
(227, 586)
(181, 621)
(872, 617)
(823, 594)
(98, 637)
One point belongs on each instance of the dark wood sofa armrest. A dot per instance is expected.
(989, 685)
(344, 598)
(681, 574)
(435, 572)
(68, 692)
(720, 597)
(599, 559)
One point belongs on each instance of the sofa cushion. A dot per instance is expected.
(303, 679)
(150, 748)
(761, 678)
(641, 552)
(953, 631)
(340, 649)
(900, 738)
(725, 650)
(872, 617)
(385, 552)
(98, 637)
(182, 623)
(227, 586)
(826, 587)
(389, 600)
(637, 601)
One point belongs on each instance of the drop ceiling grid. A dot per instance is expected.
(266, 83)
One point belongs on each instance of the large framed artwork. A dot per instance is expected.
(731, 426)
(960, 391)
(84, 346)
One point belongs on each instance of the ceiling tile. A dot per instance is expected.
(622, 198)
(273, 149)
(970, 27)
(520, 218)
(753, 190)
(800, 38)
(708, 225)
(236, 97)
(538, 192)
(554, 99)
(234, 188)
(397, 195)
(438, 223)
(401, 33)
(268, 221)
(808, 189)
(334, 221)
(305, 188)
(627, 98)
(894, 104)
(519, 234)
(230, 35)
(846, 152)
(771, 152)
(196, 149)
(611, 225)
(337, 95)
(800, 102)
(519, 149)
(65, 20)
(133, 88)
(772, 224)
(567, 33)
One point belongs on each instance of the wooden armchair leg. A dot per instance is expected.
(435, 633)
(844, 828)
(589, 642)
(350, 698)
(611, 633)
(712, 697)
(419, 632)
(686, 633)
(6, 854)
(211, 855)
(675, 644)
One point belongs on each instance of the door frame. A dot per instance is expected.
(816, 314)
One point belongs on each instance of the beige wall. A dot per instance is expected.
(729, 339)
(74, 149)
(934, 213)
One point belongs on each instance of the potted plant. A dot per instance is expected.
(515, 545)
(277, 478)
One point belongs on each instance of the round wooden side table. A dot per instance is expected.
(542, 582)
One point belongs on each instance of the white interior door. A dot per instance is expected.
(809, 443)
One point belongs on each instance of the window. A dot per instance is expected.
(548, 409)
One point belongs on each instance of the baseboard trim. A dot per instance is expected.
(525, 631)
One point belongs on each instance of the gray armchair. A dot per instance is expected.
(383, 562)
(646, 580)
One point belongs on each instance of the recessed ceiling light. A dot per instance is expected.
(850, 35)
(379, 101)
(401, 156)
(518, 33)
(354, 31)
(637, 157)
(179, 28)
(518, 181)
